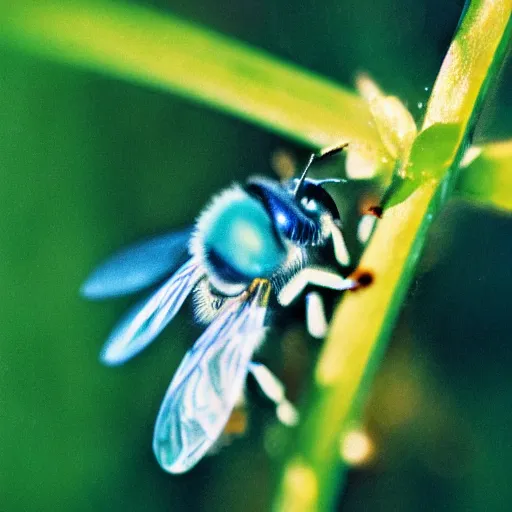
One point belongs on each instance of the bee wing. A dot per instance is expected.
(207, 384)
(137, 266)
(147, 319)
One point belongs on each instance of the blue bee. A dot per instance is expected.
(265, 238)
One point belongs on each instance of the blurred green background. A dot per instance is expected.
(89, 164)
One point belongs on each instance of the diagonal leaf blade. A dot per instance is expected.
(161, 50)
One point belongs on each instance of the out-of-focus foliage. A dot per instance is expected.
(159, 50)
(90, 163)
(488, 176)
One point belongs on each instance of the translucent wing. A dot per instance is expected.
(137, 266)
(208, 383)
(147, 319)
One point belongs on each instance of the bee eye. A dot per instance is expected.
(315, 200)
(309, 204)
(290, 217)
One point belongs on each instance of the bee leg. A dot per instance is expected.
(365, 227)
(315, 276)
(274, 390)
(340, 247)
(315, 315)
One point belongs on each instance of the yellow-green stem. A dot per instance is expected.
(363, 321)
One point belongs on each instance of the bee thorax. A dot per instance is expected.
(236, 242)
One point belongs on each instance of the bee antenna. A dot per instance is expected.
(330, 180)
(324, 154)
(304, 173)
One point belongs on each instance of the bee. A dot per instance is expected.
(253, 248)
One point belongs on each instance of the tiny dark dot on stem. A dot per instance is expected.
(376, 210)
(364, 278)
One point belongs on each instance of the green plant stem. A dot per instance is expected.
(160, 50)
(364, 320)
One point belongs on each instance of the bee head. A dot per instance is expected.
(296, 209)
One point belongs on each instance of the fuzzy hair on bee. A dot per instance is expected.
(296, 256)
(211, 294)
(249, 242)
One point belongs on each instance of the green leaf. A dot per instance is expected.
(364, 319)
(488, 177)
(432, 152)
(161, 50)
